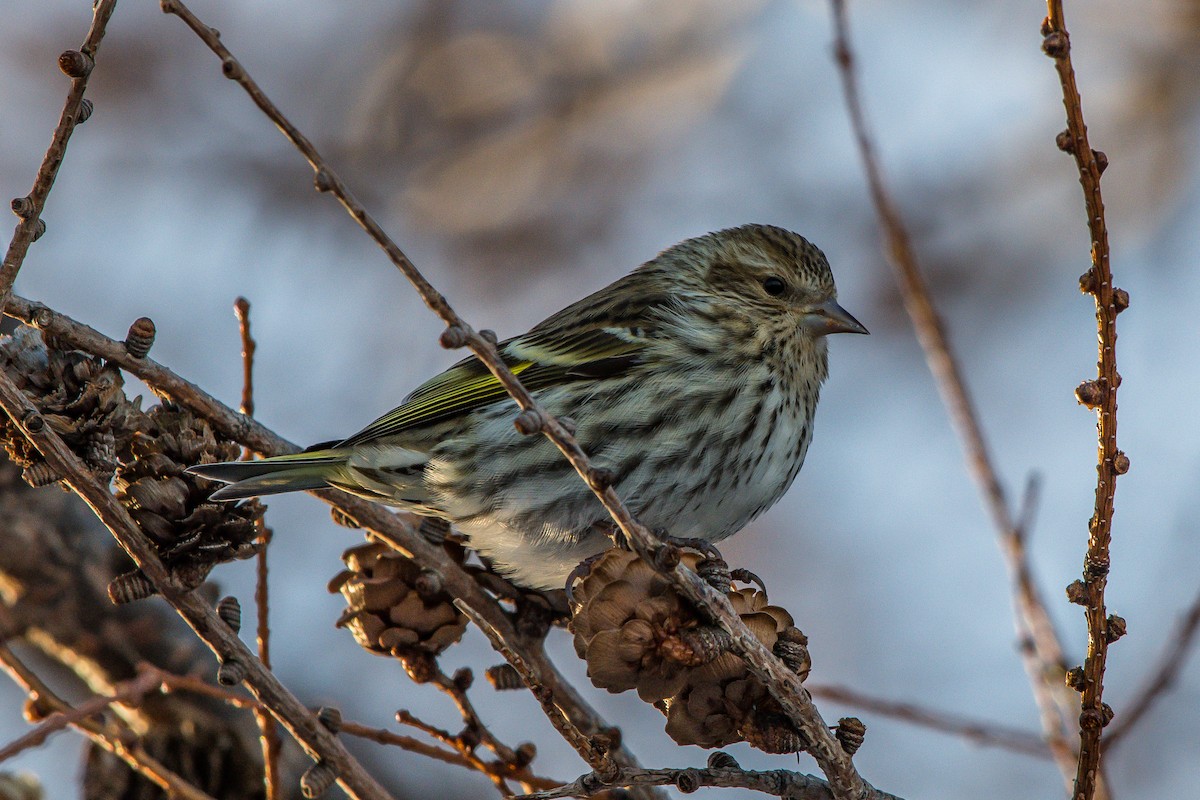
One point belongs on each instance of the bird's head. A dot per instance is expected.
(764, 273)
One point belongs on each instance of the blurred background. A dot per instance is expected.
(527, 152)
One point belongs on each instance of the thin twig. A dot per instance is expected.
(386, 737)
(471, 718)
(1101, 395)
(1162, 678)
(981, 732)
(466, 749)
(119, 742)
(127, 692)
(268, 734)
(406, 717)
(241, 309)
(171, 682)
(192, 685)
(1043, 660)
(301, 722)
(29, 208)
(597, 757)
(165, 383)
(780, 783)
(476, 732)
(782, 683)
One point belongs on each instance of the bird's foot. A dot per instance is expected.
(580, 571)
(746, 576)
(712, 568)
(703, 546)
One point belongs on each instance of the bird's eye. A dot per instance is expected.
(774, 286)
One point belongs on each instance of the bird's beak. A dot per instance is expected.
(828, 317)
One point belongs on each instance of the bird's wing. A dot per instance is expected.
(540, 359)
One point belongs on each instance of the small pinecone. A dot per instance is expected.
(81, 398)
(394, 608)
(722, 702)
(172, 507)
(634, 631)
(712, 702)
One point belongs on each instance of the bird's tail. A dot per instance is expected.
(292, 473)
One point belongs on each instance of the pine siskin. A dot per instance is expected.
(693, 379)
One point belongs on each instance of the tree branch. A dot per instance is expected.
(988, 734)
(78, 65)
(1100, 394)
(1043, 659)
(131, 752)
(780, 783)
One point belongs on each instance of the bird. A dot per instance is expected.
(693, 380)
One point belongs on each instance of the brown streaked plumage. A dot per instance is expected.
(694, 379)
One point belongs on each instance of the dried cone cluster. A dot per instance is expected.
(635, 632)
(172, 507)
(722, 702)
(394, 606)
(82, 398)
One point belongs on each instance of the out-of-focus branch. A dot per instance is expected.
(132, 753)
(1043, 660)
(1101, 395)
(1162, 677)
(55, 562)
(302, 723)
(77, 64)
(981, 732)
(128, 692)
(783, 684)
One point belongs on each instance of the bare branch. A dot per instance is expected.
(131, 752)
(1101, 395)
(1043, 659)
(386, 737)
(268, 734)
(128, 692)
(981, 732)
(780, 783)
(78, 65)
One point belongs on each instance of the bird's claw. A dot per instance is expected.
(703, 546)
(746, 576)
(580, 571)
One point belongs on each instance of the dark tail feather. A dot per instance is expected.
(294, 473)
